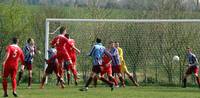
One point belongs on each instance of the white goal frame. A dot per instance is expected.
(48, 20)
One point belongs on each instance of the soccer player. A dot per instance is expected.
(97, 52)
(52, 66)
(62, 55)
(116, 62)
(123, 64)
(29, 52)
(10, 65)
(71, 49)
(106, 68)
(193, 67)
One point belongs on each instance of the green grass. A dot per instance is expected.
(104, 92)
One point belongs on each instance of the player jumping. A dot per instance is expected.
(10, 65)
(52, 66)
(62, 55)
(71, 49)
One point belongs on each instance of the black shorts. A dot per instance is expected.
(52, 67)
(96, 69)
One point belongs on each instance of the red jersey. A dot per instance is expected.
(59, 42)
(106, 59)
(70, 50)
(14, 54)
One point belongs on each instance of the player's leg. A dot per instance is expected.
(117, 70)
(95, 81)
(4, 81)
(125, 70)
(102, 71)
(111, 78)
(20, 75)
(29, 78)
(67, 68)
(188, 72)
(14, 82)
(92, 75)
(196, 73)
(74, 70)
(43, 80)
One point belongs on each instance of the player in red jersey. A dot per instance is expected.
(62, 55)
(10, 65)
(71, 49)
(106, 68)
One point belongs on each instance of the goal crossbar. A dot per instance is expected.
(48, 20)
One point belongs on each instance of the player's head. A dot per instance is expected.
(116, 44)
(67, 35)
(189, 49)
(15, 40)
(63, 30)
(112, 44)
(98, 40)
(30, 41)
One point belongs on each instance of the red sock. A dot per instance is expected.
(106, 81)
(115, 81)
(14, 84)
(5, 85)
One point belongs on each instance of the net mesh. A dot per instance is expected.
(148, 47)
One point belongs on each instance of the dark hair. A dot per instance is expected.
(111, 42)
(15, 40)
(98, 40)
(62, 29)
(29, 40)
(67, 35)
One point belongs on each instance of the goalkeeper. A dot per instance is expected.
(123, 64)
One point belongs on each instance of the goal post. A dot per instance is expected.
(164, 35)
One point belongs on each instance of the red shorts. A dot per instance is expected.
(192, 69)
(28, 65)
(96, 68)
(62, 56)
(106, 69)
(116, 69)
(10, 70)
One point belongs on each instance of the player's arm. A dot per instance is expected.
(77, 50)
(6, 57)
(195, 61)
(54, 41)
(91, 51)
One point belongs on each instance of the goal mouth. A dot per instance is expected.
(146, 42)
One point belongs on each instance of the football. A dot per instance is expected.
(176, 58)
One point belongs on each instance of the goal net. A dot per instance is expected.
(148, 44)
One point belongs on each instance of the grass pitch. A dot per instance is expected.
(104, 92)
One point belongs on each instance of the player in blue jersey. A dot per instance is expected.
(193, 67)
(96, 53)
(116, 64)
(29, 53)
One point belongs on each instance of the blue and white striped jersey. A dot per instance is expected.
(192, 59)
(97, 52)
